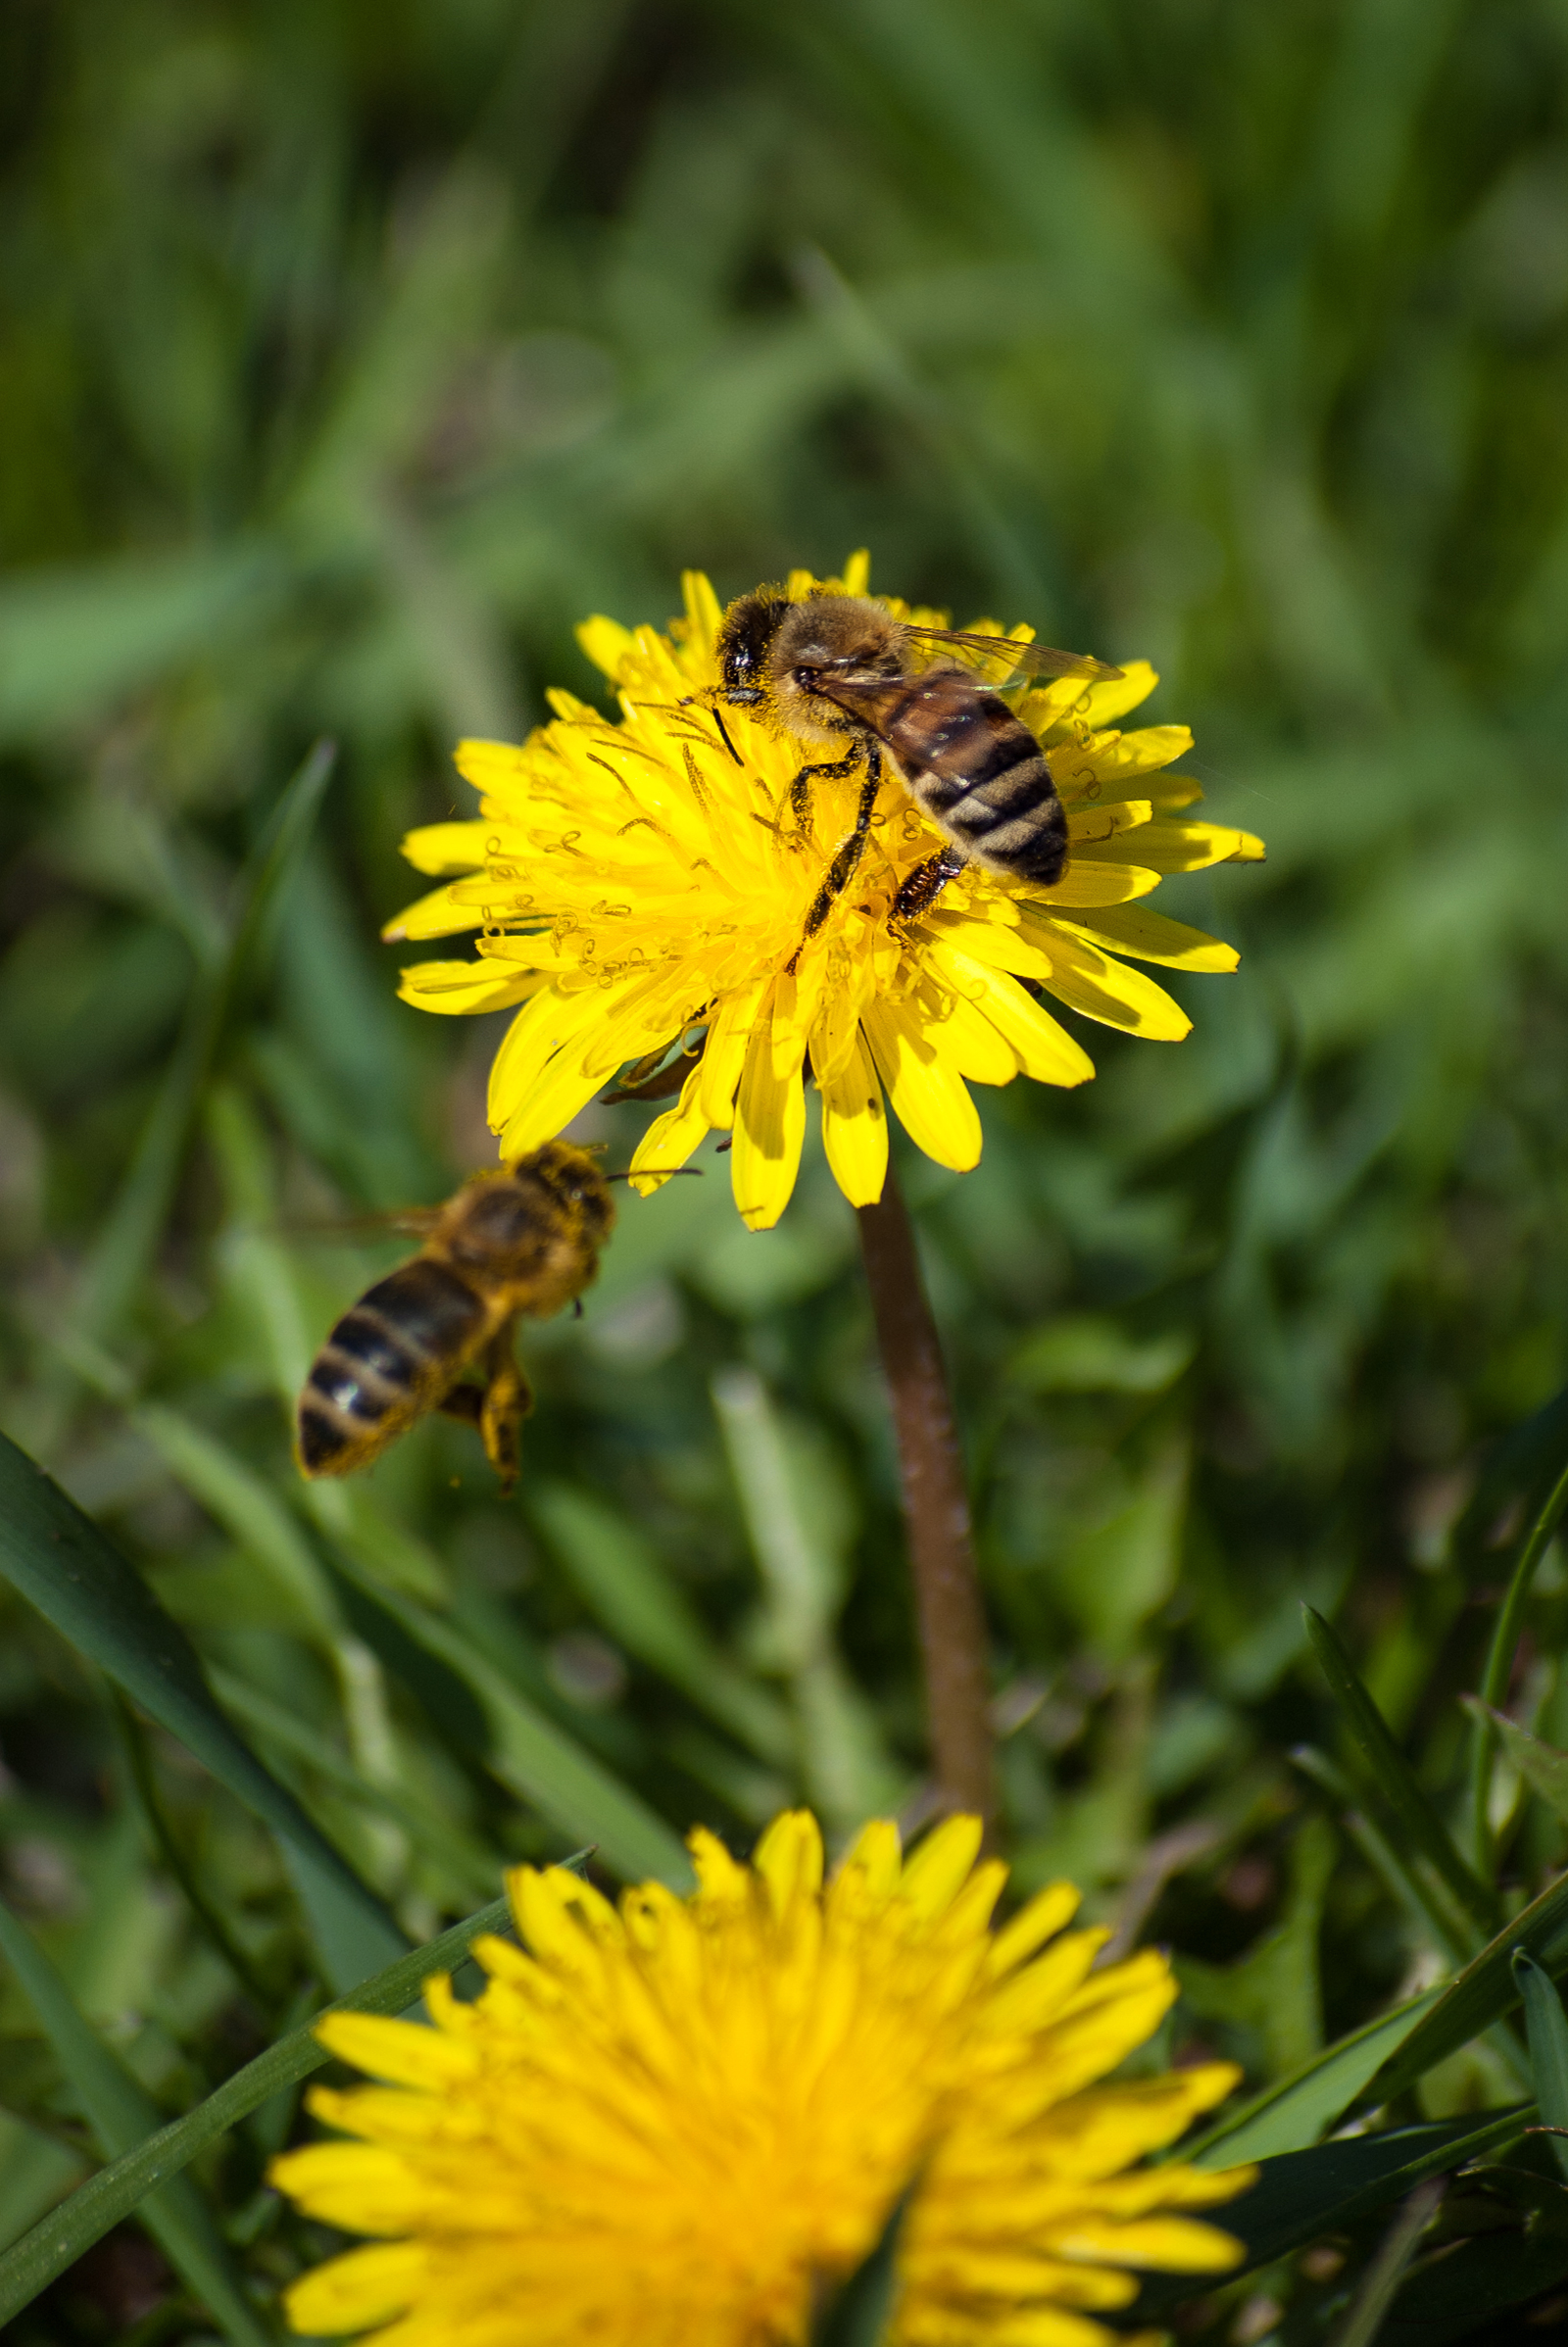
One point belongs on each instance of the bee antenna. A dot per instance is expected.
(703, 700)
(718, 720)
(666, 1173)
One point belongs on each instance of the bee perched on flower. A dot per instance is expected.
(660, 889)
(680, 2122)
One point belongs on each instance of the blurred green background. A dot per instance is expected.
(349, 355)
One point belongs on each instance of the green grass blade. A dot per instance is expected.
(1404, 1882)
(268, 870)
(129, 1235)
(618, 1575)
(62, 1563)
(859, 2312)
(845, 1772)
(75, 635)
(249, 1510)
(1541, 1766)
(1547, 2029)
(31, 2263)
(428, 1827)
(1305, 2194)
(144, 1781)
(386, 1551)
(1291, 2116)
(1375, 2292)
(124, 2115)
(1484, 1991)
(539, 1761)
(1501, 1659)
(1395, 1779)
(1520, 1470)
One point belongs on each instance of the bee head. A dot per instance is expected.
(498, 1221)
(750, 625)
(574, 1182)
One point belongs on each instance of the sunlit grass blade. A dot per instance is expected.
(1501, 1654)
(1547, 2027)
(386, 1550)
(62, 1563)
(1484, 1991)
(31, 2263)
(123, 2114)
(428, 1827)
(845, 1772)
(1394, 1778)
(539, 1761)
(1291, 2116)
(249, 1510)
(641, 1606)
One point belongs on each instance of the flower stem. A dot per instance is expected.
(936, 1511)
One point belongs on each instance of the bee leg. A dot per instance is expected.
(508, 1399)
(464, 1402)
(800, 787)
(842, 870)
(926, 883)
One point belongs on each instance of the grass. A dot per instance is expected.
(348, 358)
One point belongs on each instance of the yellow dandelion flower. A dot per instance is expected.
(677, 2121)
(636, 886)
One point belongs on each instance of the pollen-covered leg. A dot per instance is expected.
(842, 870)
(839, 771)
(508, 1399)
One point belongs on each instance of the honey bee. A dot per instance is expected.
(837, 669)
(523, 1241)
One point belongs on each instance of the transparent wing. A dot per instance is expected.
(1034, 660)
(409, 1222)
(862, 691)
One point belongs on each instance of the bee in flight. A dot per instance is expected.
(522, 1242)
(838, 671)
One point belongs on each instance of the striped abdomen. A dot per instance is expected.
(389, 1359)
(978, 772)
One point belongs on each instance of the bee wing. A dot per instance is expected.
(1034, 660)
(864, 692)
(412, 1222)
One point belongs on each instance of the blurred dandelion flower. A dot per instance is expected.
(677, 2121)
(638, 888)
